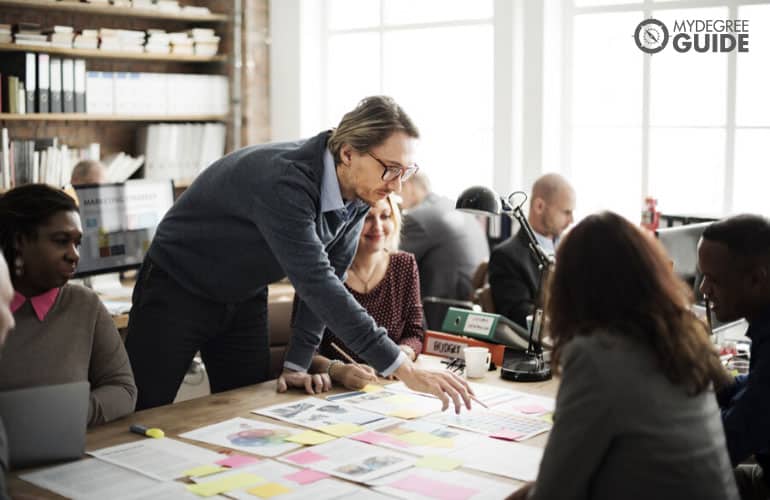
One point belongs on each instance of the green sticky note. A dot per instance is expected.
(341, 430)
(407, 413)
(372, 388)
(225, 484)
(418, 438)
(310, 437)
(269, 490)
(548, 417)
(203, 470)
(438, 463)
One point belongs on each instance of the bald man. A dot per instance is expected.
(88, 172)
(513, 273)
(6, 324)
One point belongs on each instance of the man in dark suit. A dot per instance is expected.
(449, 245)
(513, 273)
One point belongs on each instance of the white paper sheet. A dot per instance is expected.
(245, 434)
(490, 395)
(391, 403)
(503, 458)
(351, 460)
(490, 422)
(90, 479)
(317, 413)
(395, 435)
(164, 459)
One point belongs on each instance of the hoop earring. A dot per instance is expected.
(18, 265)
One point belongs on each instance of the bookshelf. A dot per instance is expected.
(119, 131)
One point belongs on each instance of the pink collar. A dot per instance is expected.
(42, 303)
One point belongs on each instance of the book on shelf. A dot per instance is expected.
(68, 85)
(43, 83)
(55, 76)
(22, 65)
(80, 86)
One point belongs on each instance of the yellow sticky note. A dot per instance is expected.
(407, 413)
(400, 400)
(372, 388)
(418, 438)
(225, 484)
(438, 463)
(310, 437)
(443, 443)
(269, 490)
(203, 470)
(548, 417)
(341, 430)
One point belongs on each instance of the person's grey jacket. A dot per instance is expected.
(624, 430)
(513, 278)
(254, 217)
(449, 245)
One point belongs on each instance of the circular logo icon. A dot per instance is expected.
(651, 36)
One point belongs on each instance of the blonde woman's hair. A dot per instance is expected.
(394, 240)
(372, 121)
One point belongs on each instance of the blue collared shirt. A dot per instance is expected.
(746, 402)
(546, 243)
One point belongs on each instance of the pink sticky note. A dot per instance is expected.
(432, 488)
(306, 476)
(305, 457)
(235, 461)
(508, 435)
(378, 438)
(532, 409)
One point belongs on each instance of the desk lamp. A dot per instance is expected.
(527, 366)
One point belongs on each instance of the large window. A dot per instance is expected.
(504, 91)
(435, 57)
(690, 129)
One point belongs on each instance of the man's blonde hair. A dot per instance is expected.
(370, 124)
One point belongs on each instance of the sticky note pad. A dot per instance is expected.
(400, 400)
(440, 463)
(407, 413)
(306, 476)
(310, 437)
(269, 490)
(229, 483)
(443, 443)
(372, 388)
(203, 470)
(507, 435)
(235, 461)
(531, 409)
(418, 438)
(342, 430)
(305, 457)
(378, 437)
(548, 417)
(432, 488)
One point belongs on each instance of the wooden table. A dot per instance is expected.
(182, 417)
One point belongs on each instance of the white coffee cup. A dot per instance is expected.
(476, 361)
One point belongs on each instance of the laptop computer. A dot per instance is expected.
(46, 423)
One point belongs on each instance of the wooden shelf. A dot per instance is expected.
(84, 117)
(104, 54)
(114, 11)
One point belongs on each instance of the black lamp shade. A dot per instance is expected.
(479, 200)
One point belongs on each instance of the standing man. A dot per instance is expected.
(513, 273)
(449, 245)
(251, 218)
(734, 257)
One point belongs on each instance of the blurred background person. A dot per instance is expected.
(88, 172)
(449, 245)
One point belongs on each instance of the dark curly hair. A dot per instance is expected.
(24, 209)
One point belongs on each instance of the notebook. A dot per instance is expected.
(46, 423)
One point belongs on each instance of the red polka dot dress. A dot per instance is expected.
(394, 304)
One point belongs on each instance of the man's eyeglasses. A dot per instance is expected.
(393, 172)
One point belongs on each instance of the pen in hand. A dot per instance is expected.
(351, 360)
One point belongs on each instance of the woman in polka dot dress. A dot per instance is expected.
(386, 283)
